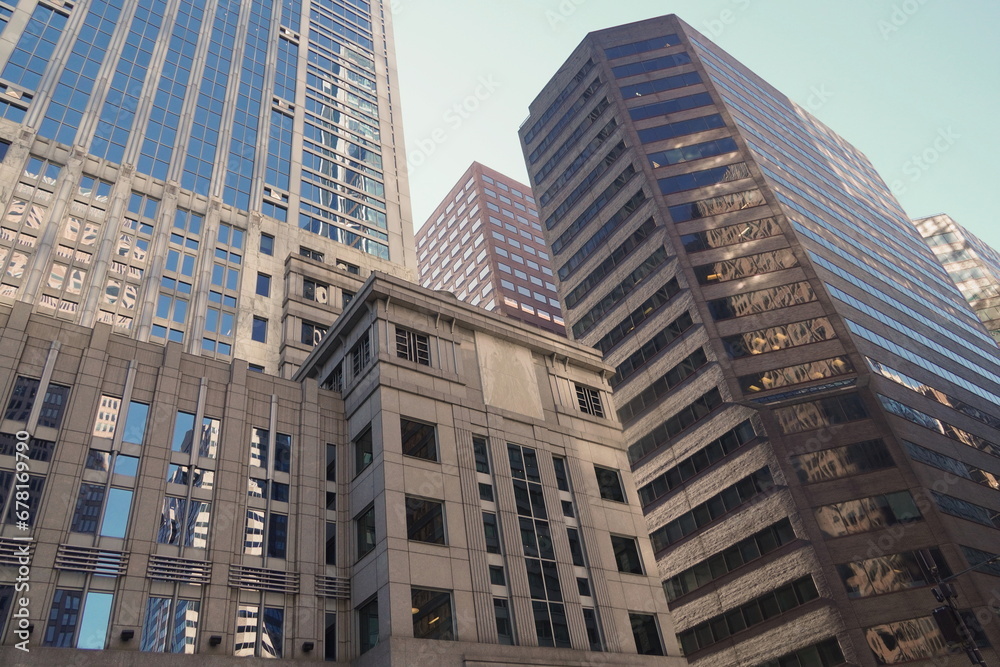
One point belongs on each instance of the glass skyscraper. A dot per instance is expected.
(164, 158)
(810, 405)
(973, 266)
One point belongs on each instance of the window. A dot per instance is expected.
(265, 534)
(432, 618)
(669, 481)
(312, 333)
(496, 576)
(824, 654)
(331, 463)
(583, 586)
(820, 413)
(747, 550)
(330, 638)
(894, 572)
(331, 543)
(418, 439)
(170, 626)
(864, 514)
(266, 244)
(259, 331)
(838, 462)
(626, 554)
(481, 449)
(501, 612)
(256, 636)
(183, 523)
(593, 630)
(610, 484)
(589, 400)
(684, 419)
(315, 291)
(263, 284)
(575, 546)
(425, 520)
(77, 620)
(363, 450)
(562, 477)
(567, 508)
(361, 354)
(365, 530)
(92, 513)
(22, 400)
(413, 346)
(646, 633)
(729, 500)
(486, 492)
(749, 614)
(492, 532)
(368, 625)
(311, 254)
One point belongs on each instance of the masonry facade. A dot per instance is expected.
(804, 393)
(395, 503)
(483, 243)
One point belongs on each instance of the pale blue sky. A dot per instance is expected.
(901, 78)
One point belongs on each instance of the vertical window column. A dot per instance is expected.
(540, 560)
(223, 295)
(268, 494)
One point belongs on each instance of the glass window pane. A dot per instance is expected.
(183, 432)
(94, 621)
(116, 512)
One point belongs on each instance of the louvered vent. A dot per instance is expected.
(338, 588)
(183, 570)
(95, 561)
(259, 579)
(10, 551)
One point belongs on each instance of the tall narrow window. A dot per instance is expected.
(363, 450)
(368, 625)
(589, 400)
(365, 530)
(170, 626)
(413, 346)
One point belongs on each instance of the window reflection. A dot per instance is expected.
(865, 514)
(914, 639)
(760, 301)
(817, 414)
(741, 267)
(779, 337)
(790, 375)
(731, 235)
(840, 462)
(895, 572)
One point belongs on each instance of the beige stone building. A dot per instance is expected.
(437, 485)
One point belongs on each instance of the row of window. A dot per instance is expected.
(747, 615)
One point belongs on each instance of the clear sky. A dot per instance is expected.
(914, 84)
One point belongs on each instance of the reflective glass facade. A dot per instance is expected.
(271, 116)
(792, 288)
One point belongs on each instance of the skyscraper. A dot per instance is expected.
(483, 244)
(219, 174)
(972, 264)
(809, 403)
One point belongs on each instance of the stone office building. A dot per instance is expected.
(437, 485)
